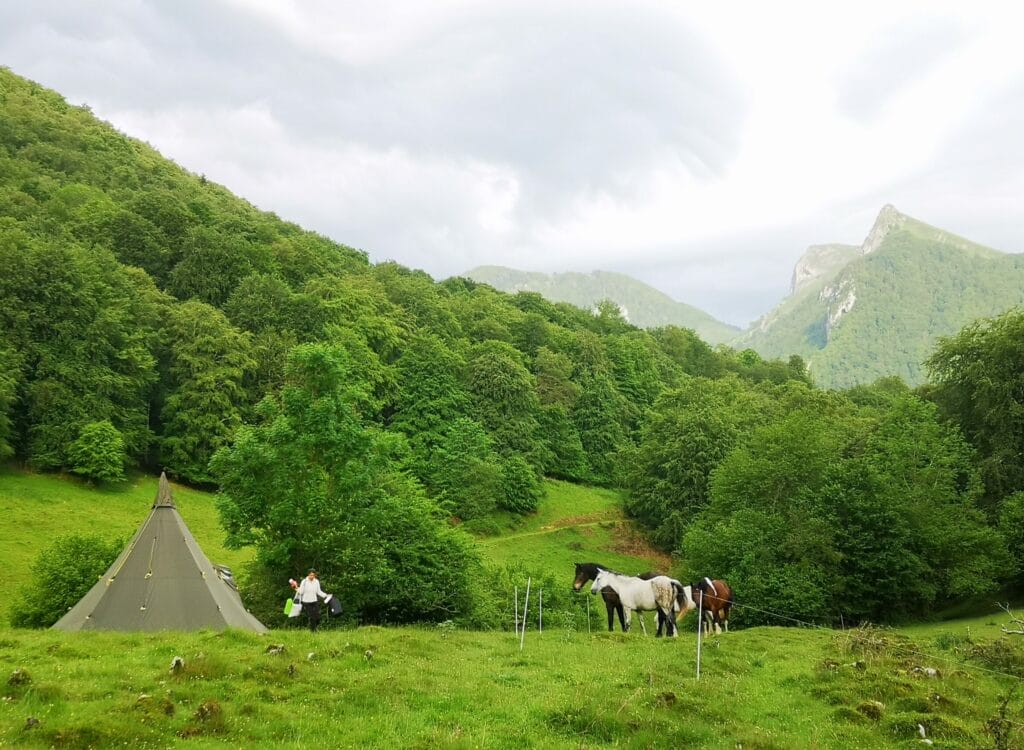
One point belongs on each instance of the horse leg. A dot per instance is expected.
(622, 617)
(640, 617)
(629, 618)
(664, 619)
(611, 615)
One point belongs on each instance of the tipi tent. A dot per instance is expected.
(162, 581)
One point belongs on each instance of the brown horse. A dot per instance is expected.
(587, 572)
(714, 598)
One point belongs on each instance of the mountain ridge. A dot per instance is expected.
(856, 313)
(642, 304)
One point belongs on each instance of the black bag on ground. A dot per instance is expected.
(334, 606)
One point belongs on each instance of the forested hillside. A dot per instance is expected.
(643, 305)
(369, 420)
(151, 318)
(879, 311)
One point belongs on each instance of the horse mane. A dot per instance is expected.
(598, 566)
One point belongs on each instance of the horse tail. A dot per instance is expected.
(678, 589)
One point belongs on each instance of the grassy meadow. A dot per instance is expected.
(442, 687)
(433, 687)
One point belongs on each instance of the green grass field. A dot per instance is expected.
(441, 687)
(426, 688)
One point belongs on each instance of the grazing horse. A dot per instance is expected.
(658, 593)
(587, 572)
(714, 597)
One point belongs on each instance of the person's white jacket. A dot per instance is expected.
(309, 590)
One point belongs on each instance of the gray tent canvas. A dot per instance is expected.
(162, 581)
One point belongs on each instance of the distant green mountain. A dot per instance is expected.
(859, 313)
(641, 304)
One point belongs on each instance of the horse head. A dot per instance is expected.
(600, 580)
(584, 572)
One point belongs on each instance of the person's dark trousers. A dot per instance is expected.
(313, 612)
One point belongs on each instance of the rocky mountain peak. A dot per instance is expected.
(818, 261)
(889, 219)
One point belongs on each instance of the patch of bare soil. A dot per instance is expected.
(629, 541)
(586, 518)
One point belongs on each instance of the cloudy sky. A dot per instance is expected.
(700, 147)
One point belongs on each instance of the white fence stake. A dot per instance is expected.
(540, 618)
(516, 597)
(588, 614)
(526, 604)
(700, 630)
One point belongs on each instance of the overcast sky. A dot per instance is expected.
(700, 147)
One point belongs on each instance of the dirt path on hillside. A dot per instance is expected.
(628, 542)
(549, 530)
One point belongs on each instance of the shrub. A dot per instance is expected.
(98, 453)
(521, 490)
(61, 575)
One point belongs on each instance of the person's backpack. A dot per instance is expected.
(334, 605)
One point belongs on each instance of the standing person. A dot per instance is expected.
(307, 593)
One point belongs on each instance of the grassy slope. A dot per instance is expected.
(433, 687)
(575, 524)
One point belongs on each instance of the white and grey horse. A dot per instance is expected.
(658, 594)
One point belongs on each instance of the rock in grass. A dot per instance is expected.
(19, 677)
(177, 665)
(872, 709)
(275, 648)
(209, 710)
(31, 723)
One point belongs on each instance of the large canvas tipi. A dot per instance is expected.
(162, 581)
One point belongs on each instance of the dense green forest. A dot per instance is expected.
(368, 419)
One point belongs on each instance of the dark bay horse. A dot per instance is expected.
(715, 598)
(586, 572)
